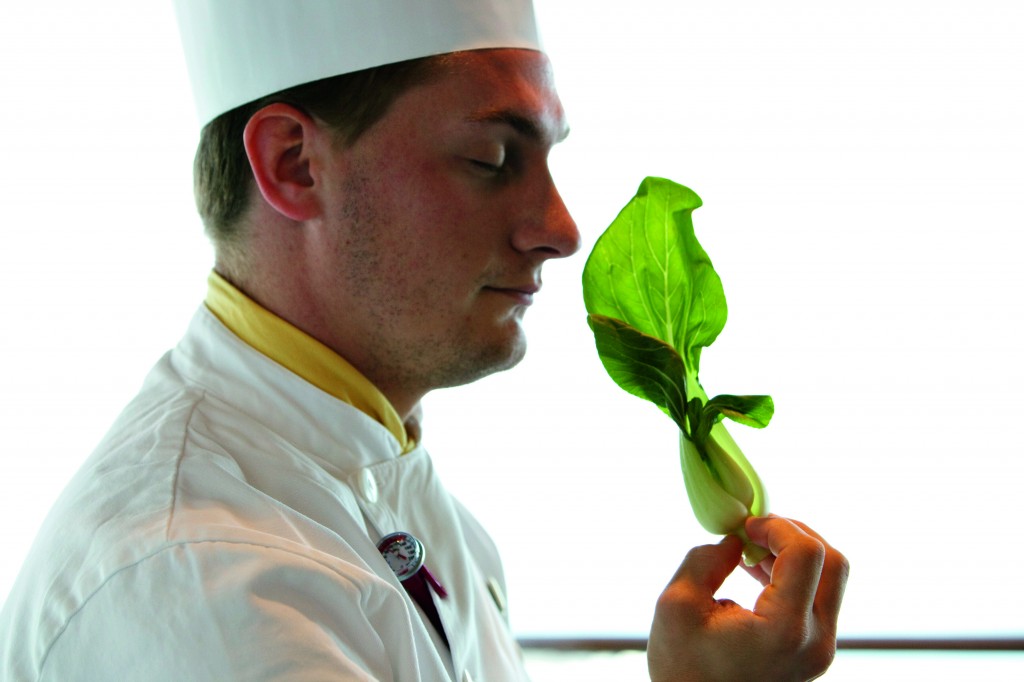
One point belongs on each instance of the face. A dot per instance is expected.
(436, 223)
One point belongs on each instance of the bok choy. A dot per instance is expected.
(654, 301)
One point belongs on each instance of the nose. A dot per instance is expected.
(547, 228)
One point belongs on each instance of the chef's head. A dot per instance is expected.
(376, 172)
(342, 61)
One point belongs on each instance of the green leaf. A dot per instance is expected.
(649, 270)
(641, 365)
(751, 410)
(654, 302)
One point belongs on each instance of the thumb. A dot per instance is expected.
(706, 567)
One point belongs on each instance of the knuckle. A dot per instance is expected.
(838, 564)
(813, 549)
(792, 640)
(819, 658)
(698, 553)
(808, 651)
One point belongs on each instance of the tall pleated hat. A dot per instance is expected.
(238, 51)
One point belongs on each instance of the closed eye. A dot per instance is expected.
(484, 166)
(490, 157)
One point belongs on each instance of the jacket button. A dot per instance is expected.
(497, 594)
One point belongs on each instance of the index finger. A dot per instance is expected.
(799, 558)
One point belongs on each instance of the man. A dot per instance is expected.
(260, 510)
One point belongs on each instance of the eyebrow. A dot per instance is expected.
(524, 125)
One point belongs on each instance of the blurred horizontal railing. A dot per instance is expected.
(850, 643)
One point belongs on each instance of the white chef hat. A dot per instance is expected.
(240, 50)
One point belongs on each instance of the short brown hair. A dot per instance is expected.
(349, 104)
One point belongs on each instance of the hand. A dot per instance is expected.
(790, 634)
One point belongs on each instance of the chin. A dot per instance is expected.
(472, 366)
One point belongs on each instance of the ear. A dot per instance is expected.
(278, 141)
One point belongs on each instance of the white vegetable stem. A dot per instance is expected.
(723, 488)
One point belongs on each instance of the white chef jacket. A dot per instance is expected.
(226, 529)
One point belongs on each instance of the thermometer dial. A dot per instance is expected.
(403, 552)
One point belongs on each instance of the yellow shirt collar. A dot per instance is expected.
(302, 354)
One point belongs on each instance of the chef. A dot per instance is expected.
(373, 176)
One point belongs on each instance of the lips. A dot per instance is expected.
(522, 293)
(530, 288)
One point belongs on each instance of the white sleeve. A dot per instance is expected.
(237, 611)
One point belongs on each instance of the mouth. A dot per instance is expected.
(522, 294)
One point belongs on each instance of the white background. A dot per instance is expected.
(861, 169)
